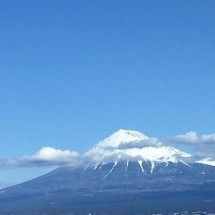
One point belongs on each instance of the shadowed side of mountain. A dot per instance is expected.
(114, 188)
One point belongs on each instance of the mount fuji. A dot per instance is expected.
(126, 173)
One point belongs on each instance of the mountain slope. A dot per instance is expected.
(108, 190)
(157, 179)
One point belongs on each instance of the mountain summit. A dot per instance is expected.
(121, 137)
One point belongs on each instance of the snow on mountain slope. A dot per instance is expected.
(121, 137)
(134, 146)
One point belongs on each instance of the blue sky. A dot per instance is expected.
(73, 72)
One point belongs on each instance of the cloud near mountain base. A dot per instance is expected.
(203, 145)
(46, 156)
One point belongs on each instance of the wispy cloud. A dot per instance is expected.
(193, 138)
(207, 161)
(154, 142)
(204, 145)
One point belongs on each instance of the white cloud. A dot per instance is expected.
(207, 161)
(193, 138)
(204, 145)
(46, 156)
(49, 154)
(149, 149)
(154, 142)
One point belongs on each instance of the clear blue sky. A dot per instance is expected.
(72, 72)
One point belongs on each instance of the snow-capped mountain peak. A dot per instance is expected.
(134, 146)
(121, 137)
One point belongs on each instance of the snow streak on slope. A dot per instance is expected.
(141, 165)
